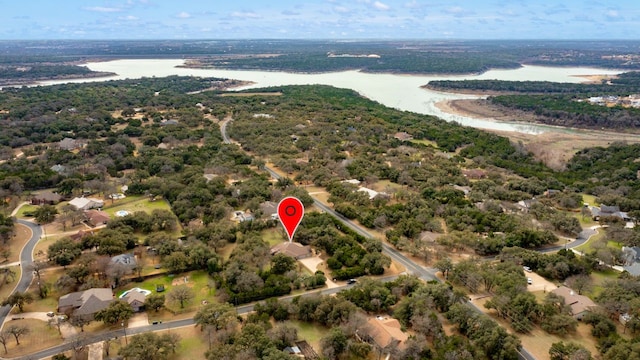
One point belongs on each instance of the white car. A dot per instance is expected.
(529, 281)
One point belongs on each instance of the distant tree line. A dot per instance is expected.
(622, 85)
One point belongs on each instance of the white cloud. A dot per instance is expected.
(612, 14)
(412, 4)
(129, 18)
(340, 9)
(102, 9)
(245, 14)
(456, 10)
(380, 6)
(183, 15)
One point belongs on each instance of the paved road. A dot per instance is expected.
(114, 334)
(26, 258)
(582, 238)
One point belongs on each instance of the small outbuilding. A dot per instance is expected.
(83, 203)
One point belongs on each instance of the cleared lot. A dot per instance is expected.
(539, 283)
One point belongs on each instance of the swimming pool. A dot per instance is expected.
(142, 291)
(122, 213)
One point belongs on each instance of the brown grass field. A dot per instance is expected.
(17, 242)
(40, 336)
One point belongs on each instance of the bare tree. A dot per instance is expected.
(78, 344)
(57, 322)
(182, 294)
(139, 267)
(4, 338)
(37, 267)
(5, 253)
(17, 331)
(79, 321)
(580, 283)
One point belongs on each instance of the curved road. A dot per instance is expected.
(26, 258)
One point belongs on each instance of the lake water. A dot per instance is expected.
(402, 92)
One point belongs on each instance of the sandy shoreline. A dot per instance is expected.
(555, 149)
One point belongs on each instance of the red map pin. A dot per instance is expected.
(290, 212)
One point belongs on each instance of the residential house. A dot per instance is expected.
(269, 210)
(383, 333)
(45, 197)
(293, 350)
(579, 304)
(429, 236)
(60, 169)
(525, 205)
(126, 261)
(85, 304)
(551, 192)
(352, 181)
(169, 122)
(370, 192)
(96, 217)
(403, 136)
(632, 260)
(83, 203)
(608, 211)
(135, 299)
(293, 249)
(69, 144)
(242, 216)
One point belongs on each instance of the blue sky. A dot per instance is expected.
(319, 19)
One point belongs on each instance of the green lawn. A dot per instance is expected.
(586, 247)
(383, 184)
(273, 236)
(135, 203)
(425, 142)
(585, 221)
(599, 278)
(589, 199)
(25, 208)
(310, 332)
(198, 281)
